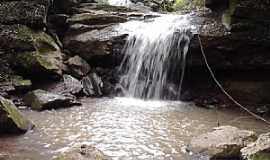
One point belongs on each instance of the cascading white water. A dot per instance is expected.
(120, 2)
(155, 54)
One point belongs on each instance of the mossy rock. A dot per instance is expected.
(32, 13)
(20, 38)
(36, 62)
(16, 83)
(11, 119)
(36, 51)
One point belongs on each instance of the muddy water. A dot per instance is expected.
(122, 128)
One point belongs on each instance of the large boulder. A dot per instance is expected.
(230, 50)
(92, 85)
(42, 100)
(19, 38)
(93, 43)
(83, 152)
(78, 66)
(94, 19)
(223, 142)
(35, 51)
(259, 150)
(72, 85)
(11, 119)
(23, 12)
(67, 86)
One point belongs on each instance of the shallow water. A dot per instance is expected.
(122, 128)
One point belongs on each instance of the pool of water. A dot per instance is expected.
(123, 128)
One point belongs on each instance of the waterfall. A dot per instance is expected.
(154, 57)
(119, 2)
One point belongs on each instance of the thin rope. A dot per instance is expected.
(223, 90)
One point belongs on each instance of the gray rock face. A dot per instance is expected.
(95, 19)
(16, 83)
(259, 150)
(23, 12)
(11, 119)
(67, 86)
(83, 152)
(92, 85)
(72, 85)
(78, 66)
(223, 142)
(41, 100)
(93, 43)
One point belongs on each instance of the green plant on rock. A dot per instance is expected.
(188, 5)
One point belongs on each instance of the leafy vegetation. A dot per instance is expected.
(188, 5)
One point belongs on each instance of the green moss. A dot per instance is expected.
(227, 15)
(188, 5)
(260, 156)
(35, 104)
(21, 83)
(16, 116)
(18, 81)
(41, 41)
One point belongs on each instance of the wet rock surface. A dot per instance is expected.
(83, 152)
(42, 100)
(93, 43)
(11, 119)
(259, 150)
(78, 66)
(92, 85)
(67, 86)
(222, 142)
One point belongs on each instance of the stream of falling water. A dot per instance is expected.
(155, 56)
(120, 2)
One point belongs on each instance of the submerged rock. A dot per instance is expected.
(11, 119)
(78, 66)
(41, 100)
(259, 150)
(83, 152)
(92, 85)
(223, 142)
